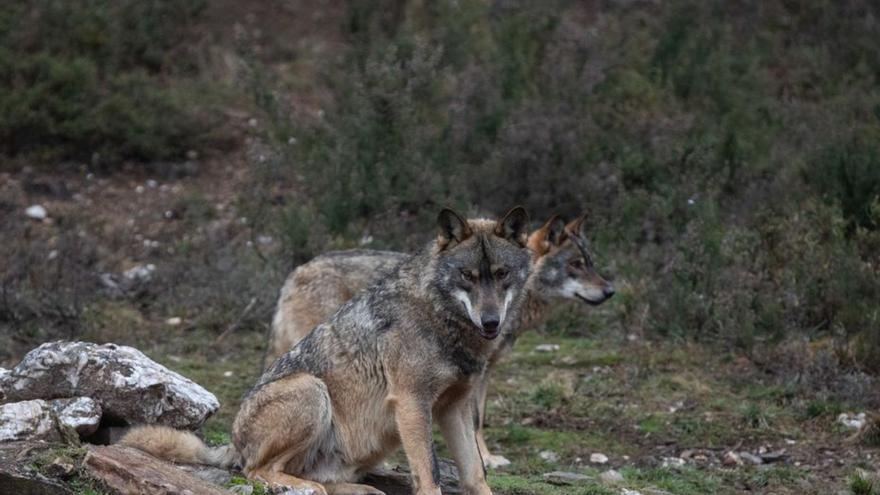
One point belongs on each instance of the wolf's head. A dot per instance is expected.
(564, 268)
(482, 267)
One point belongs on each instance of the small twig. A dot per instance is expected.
(238, 321)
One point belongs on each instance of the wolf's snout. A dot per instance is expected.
(608, 291)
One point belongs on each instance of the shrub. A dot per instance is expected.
(87, 80)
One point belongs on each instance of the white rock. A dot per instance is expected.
(227, 374)
(36, 419)
(128, 385)
(548, 456)
(140, 273)
(611, 477)
(37, 212)
(547, 348)
(598, 458)
(627, 491)
(174, 321)
(854, 421)
(672, 462)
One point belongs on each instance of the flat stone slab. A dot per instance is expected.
(129, 386)
(127, 470)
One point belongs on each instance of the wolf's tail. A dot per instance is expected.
(180, 446)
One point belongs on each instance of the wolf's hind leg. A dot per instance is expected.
(281, 427)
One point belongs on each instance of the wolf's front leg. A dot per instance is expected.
(413, 417)
(457, 422)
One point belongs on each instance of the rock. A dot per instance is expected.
(548, 455)
(854, 421)
(210, 474)
(17, 475)
(774, 456)
(547, 348)
(732, 459)
(397, 480)
(672, 462)
(44, 420)
(598, 458)
(140, 273)
(611, 477)
(492, 461)
(174, 321)
(751, 458)
(128, 470)
(242, 489)
(129, 386)
(37, 212)
(627, 491)
(566, 478)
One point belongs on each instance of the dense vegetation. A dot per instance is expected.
(727, 153)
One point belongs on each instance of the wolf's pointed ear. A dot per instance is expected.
(514, 226)
(453, 228)
(550, 234)
(575, 226)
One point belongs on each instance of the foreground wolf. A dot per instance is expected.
(563, 270)
(406, 350)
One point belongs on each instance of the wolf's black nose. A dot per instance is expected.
(490, 322)
(608, 291)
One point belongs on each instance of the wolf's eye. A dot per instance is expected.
(576, 263)
(467, 276)
(502, 273)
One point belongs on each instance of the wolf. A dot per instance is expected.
(564, 270)
(406, 350)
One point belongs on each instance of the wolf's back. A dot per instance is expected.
(179, 446)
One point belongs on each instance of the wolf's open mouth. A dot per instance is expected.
(489, 334)
(591, 303)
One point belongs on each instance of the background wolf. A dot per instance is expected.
(407, 349)
(563, 270)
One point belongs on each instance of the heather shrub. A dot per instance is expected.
(88, 81)
(725, 153)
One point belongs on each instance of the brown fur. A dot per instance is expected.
(307, 300)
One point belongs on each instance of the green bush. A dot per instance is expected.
(88, 80)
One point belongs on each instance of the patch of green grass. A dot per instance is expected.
(548, 396)
(819, 407)
(683, 481)
(775, 475)
(259, 488)
(512, 484)
(861, 485)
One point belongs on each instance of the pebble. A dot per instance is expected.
(611, 477)
(598, 458)
(547, 348)
(672, 462)
(548, 456)
(174, 321)
(751, 458)
(37, 212)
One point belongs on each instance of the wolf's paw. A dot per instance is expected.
(495, 461)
